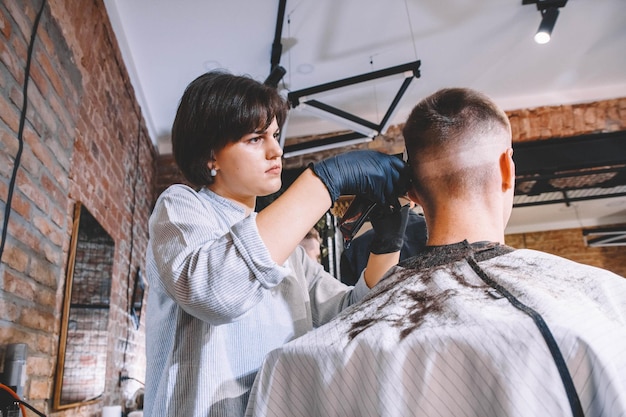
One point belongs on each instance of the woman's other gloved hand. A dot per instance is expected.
(389, 226)
(379, 177)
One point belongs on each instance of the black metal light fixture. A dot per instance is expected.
(362, 130)
(547, 24)
(275, 76)
(276, 71)
(549, 10)
(603, 237)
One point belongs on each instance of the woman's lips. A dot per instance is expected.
(274, 170)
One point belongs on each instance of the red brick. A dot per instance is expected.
(20, 206)
(39, 389)
(5, 26)
(45, 298)
(19, 49)
(43, 272)
(9, 113)
(52, 73)
(8, 310)
(6, 166)
(32, 191)
(20, 12)
(39, 103)
(29, 162)
(19, 286)
(15, 257)
(11, 334)
(24, 235)
(46, 343)
(39, 79)
(63, 112)
(37, 319)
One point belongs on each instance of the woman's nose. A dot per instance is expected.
(275, 150)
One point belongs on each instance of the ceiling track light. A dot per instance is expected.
(544, 33)
(549, 10)
(275, 76)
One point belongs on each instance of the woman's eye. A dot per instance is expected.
(254, 139)
(276, 135)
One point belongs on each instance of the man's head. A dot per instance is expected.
(215, 109)
(457, 141)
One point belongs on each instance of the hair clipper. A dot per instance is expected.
(353, 219)
(357, 214)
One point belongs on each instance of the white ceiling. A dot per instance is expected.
(483, 44)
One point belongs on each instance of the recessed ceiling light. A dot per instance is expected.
(211, 65)
(305, 68)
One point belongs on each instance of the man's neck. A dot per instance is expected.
(473, 225)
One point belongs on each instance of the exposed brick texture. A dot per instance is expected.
(569, 243)
(84, 140)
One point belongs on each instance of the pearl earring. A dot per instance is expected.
(213, 172)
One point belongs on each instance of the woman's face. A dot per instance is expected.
(250, 167)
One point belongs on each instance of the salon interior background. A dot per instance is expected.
(95, 127)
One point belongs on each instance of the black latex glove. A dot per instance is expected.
(379, 177)
(389, 227)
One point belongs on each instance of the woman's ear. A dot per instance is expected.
(507, 169)
(212, 165)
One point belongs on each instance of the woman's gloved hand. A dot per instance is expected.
(389, 226)
(377, 176)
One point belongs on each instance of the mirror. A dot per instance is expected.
(81, 364)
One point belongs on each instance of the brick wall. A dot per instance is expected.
(569, 243)
(84, 140)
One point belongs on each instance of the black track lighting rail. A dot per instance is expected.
(414, 67)
(544, 4)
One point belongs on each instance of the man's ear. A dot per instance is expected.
(412, 195)
(507, 169)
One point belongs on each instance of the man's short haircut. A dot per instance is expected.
(215, 109)
(447, 121)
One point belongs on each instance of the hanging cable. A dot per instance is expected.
(21, 403)
(408, 16)
(375, 91)
(129, 294)
(132, 211)
(126, 378)
(20, 131)
(289, 49)
(577, 215)
(289, 55)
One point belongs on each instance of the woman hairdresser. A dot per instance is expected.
(228, 285)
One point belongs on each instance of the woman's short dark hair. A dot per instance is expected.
(215, 109)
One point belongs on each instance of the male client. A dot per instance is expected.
(469, 326)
